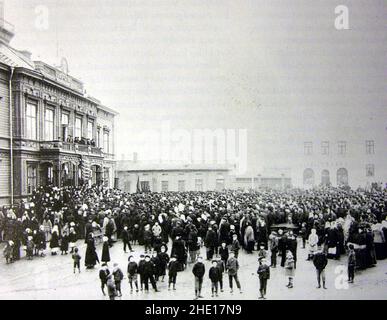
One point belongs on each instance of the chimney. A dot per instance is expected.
(135, 157)
(26, 53)
(7, 30)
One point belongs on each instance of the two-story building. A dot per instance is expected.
(51, 132)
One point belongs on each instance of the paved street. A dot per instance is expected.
(53, 278)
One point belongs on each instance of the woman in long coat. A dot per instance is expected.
(54, 242)
(105, 250)
(91, 257)
(249, 238)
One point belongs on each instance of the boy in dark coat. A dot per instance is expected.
(351, 263)
(164, 259)
(214, 275)
(173, 268)
(198, 270)
(118, 276)
(156, 265)
(126, 239)
(140, 269)
(320, 261)
(264, 275)
(223, 252)
(77, 260)
(103, 276)
(210, 242)
(148, 274)
(222, 268)
(235, 245)
(132, 273)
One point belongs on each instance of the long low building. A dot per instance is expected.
(131, 176)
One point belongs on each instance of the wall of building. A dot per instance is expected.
(127, 180)
(355, 130)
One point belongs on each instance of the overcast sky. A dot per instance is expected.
(276, 68)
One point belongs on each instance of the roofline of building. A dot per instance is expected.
(41, 77)
(170, 169)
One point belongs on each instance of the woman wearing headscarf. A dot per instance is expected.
(91, 257)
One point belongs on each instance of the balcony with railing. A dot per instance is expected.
(71, 147)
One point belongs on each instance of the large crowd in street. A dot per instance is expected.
(172, 227)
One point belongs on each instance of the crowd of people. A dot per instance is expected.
(331, 223)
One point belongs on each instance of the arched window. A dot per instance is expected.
(308, 177)
(325, 179)
(342, 177)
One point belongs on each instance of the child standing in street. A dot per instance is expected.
(232, 268)
(77, 260)
(30, 248)
(8, 252)
(132, 273)
(103, 276)
(198, 270)
(164, 259)
(214, 275)
(141, 265)
(351, 263)
(264, 275)
(118, 277)
(289, 268)
(173, 267)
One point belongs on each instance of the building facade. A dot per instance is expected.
(162, 177)
(53, 132)
(356, 159)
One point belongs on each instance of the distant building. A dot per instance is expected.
(273, 178)
(358, 159)
(58, 135)
(170, 177)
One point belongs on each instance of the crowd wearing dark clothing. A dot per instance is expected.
(228, 221)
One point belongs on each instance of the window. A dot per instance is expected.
(164, 186)
(370, 147)
(325, 148)
(31, 178)
(219, 184)
(308, 148)
(65, 124)
(342, 147)
(145, 186)
(98, 137)
(31, 121)
(90, 126)
(370, 170)
(106, 176)
(78, 127)
(199, 184)
(49, 124)
(181, 186)
(106, 142)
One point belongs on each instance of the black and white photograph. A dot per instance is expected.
(196, 150)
